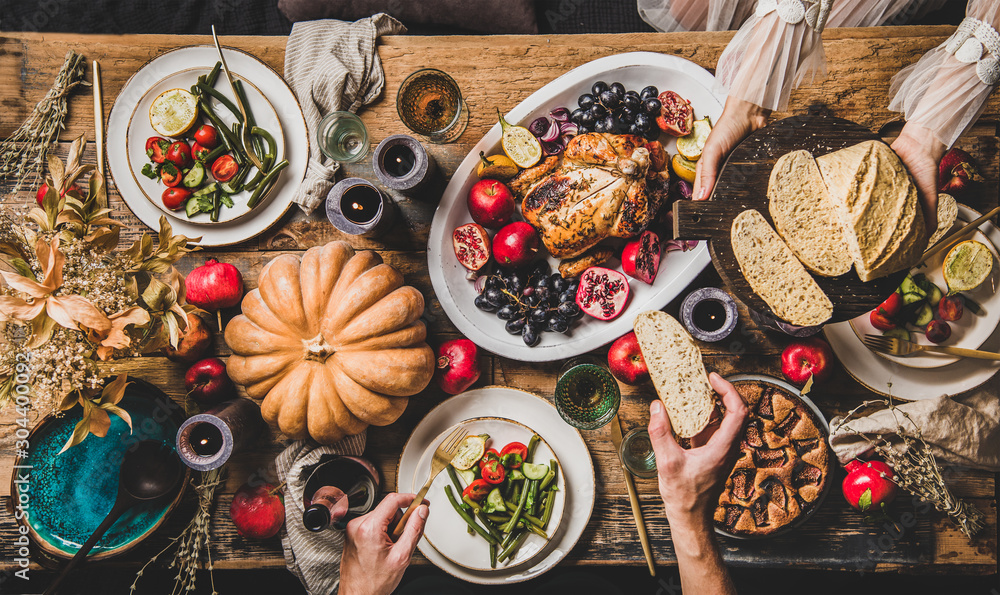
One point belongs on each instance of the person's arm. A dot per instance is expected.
(690, 481)
(372, 564)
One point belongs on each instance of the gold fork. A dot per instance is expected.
(244, 129)
(445, 452)
(899, 347)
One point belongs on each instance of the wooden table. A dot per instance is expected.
(500, 71)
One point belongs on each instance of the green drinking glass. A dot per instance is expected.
(587, 395)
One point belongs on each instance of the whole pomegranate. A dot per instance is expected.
(676, 114)
(641, 257)
(516, 244)
(603, 293)
(957, 173)
(472, 245)
(491, 203)
(869, 485)
(458, 365)
(215, 285)
(257, 511)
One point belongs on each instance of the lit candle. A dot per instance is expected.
(207, 440)
(709, 314)
(401, 163)
(357, 207)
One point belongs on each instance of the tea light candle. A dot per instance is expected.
(709, 314)
(207, 440)
(357, 207)
(401, 163)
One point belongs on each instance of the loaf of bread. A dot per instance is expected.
(774, 273)
(878, 207)
(947, 213)
(675, 366)
(803, 215)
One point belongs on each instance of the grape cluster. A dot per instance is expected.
(610, 108)
(531, 302)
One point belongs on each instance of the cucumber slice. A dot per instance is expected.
(912, 298)
(207, 189)
(191, 207)
(494, 502)
(195, 176)
(934, 294)
(515, 475)
(533, 471)
(910, 286)
(899, 333)
(924, 315)
(467, 475)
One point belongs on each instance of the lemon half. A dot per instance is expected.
(967, 265)
(684, 168)
(519, 144)
(173, 112)
(691, 146)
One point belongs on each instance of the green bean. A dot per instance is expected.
(554, 471)
(511, 547)
(216, 205)
(251, 122)
(536, 530)
(510, 504)
(218, 96)
(471, 503)
(549, 505)
(529, 506)
(493, 555)
(520, 508)
(217, 151)
(465, 516)
(224, 130)
(210, 78)
(453, 474)
(266, 183)
(533, 520)
(269, 156)
(531, 448)
(498, 517)
(489, 525)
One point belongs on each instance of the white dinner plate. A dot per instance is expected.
(447, 531)
(576, 468)
(677, 269)
(196, 60)
(139, 129)
(969, 331)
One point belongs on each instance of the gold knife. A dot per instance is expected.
(947, 242)
(244, 130)
(633, 496)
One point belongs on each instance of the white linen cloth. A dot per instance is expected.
(332, 66)
(963, 431)
(314, 557)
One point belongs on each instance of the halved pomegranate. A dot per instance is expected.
(641, 257)
(957, 173)
(472, 245)
(603, 293)
(676, 115)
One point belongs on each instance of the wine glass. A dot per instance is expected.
(587, 395)
(430, 103)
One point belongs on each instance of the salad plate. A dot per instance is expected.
(969, 331)
(677, 269)
(576, 470)
(279, 105)
(446, 531)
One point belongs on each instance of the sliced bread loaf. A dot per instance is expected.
(675, 366)
(804, 217)
(775, 274)
(947, 213)
(878, 207)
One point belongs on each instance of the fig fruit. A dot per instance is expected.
(516, 244)
(641, 257)
(603, 293)
(472, 245)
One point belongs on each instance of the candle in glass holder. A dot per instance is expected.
(207, 440)
(709, 314)
(357, 207)
(401, 163)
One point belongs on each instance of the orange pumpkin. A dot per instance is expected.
(332, 342)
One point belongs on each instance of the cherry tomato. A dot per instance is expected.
(156, 148)
(514, 448)
(170, 175)
(881, 321)
(206, 136)
(174, 198)
(489, 455)
(892, 305)
(179, 154)
(198, 151)
(493, 472)
(225, 168)
(477, 490)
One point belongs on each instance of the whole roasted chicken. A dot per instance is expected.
(602, 186)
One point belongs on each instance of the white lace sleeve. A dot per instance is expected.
(695, 15)
(777, 48)
(946, 90)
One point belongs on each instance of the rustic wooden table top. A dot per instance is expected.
(500, 71)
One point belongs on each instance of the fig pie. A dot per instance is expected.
(783, 467)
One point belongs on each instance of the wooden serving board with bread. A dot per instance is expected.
(815, 155)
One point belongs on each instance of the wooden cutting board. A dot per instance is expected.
(742, 185)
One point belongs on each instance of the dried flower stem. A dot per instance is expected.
(916, 468)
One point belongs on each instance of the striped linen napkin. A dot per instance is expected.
(333, 66)
(313, 557)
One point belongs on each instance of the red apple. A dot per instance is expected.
(257, 511)
(516, 244)
(458, 365)
(807, 357)
(208, 383)
(626, 362)
(869, 485)
(194, 342)
(491, 203)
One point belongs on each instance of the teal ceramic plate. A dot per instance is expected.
(71, 493)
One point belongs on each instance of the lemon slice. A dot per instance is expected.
(520, 145)
(174, 112)
(498, 167)
(469, 452)
(691, 146)
(967, 265)
(684, 168)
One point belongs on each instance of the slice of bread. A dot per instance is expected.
(878, 207)
(774, 273)
(947, 213)
(675, 366)
(804, 217)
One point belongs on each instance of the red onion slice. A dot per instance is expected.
(539, 126)
(552, 134)
(560, 114)
(682, 245)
